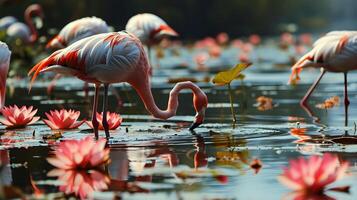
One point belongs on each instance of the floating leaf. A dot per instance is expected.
(329, 103)
(264, 103)
(226, 77)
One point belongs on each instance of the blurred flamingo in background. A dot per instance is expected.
(334, 52)
(7, 21)
(26, 33)
(113, 58)
(149, 28)
(76, 30)
(5, 54)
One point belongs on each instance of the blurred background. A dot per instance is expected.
(195, 19)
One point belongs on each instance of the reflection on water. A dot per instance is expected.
(152, 159)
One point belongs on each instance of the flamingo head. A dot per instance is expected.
(4, 67)
(200, 103)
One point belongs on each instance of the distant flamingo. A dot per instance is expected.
(334, 52)
(7, 21)
(76, 30)
(113, 58)
(4, 68)
(149, 28)
(26, 33)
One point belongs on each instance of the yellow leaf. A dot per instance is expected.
(226, 77)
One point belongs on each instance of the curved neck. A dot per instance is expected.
(30, 24)
(143, 88)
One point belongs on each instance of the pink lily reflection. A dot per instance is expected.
(80, 183)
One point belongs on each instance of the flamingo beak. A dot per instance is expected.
(199, 118)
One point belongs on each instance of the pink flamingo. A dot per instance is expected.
(149, 28)
(26, 33)
(334, 52)
(76, 30)
(7, 21)
(5, 54)
(113, 58)
(72, 32)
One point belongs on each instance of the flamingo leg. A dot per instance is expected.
(347, 102)
(94, 111)
(105, 109)
(303, 102)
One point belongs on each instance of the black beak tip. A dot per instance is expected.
(194, 125)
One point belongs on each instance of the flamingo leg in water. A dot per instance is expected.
(105, 109)
(303, 102)
(94, 111)
(347, 102)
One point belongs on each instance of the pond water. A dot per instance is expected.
(156, 159)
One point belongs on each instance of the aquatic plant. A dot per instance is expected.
(80, 154)
(63, 119)
(114, 121)
(226, 77)
(16, 117)
(311, 176)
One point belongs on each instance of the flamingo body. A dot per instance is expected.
(113, 58)
(7, 21)
(78, 30)
(5, 54)
(103, 58)
(149, 28)
(19, 30)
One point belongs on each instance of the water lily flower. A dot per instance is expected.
(311, 176)
(114, 121)
(16, 117)
(81, 183)
(63, 119)
(80, 154)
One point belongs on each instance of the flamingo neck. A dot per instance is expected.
(30, 24)
(143, 88)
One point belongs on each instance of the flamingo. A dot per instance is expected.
(149, 28)
(76, 30)
(5, 54)
(26, 33)
(113, 58)
(72, 32)
(334, 52)
(7, 21)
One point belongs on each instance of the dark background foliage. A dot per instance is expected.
(199, 18)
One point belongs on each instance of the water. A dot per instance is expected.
(157, 159)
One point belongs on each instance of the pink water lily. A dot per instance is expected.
(63, 119)
(16, 117)
(80, 154)
(114, 121)
(311, 176)
(81, 183)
